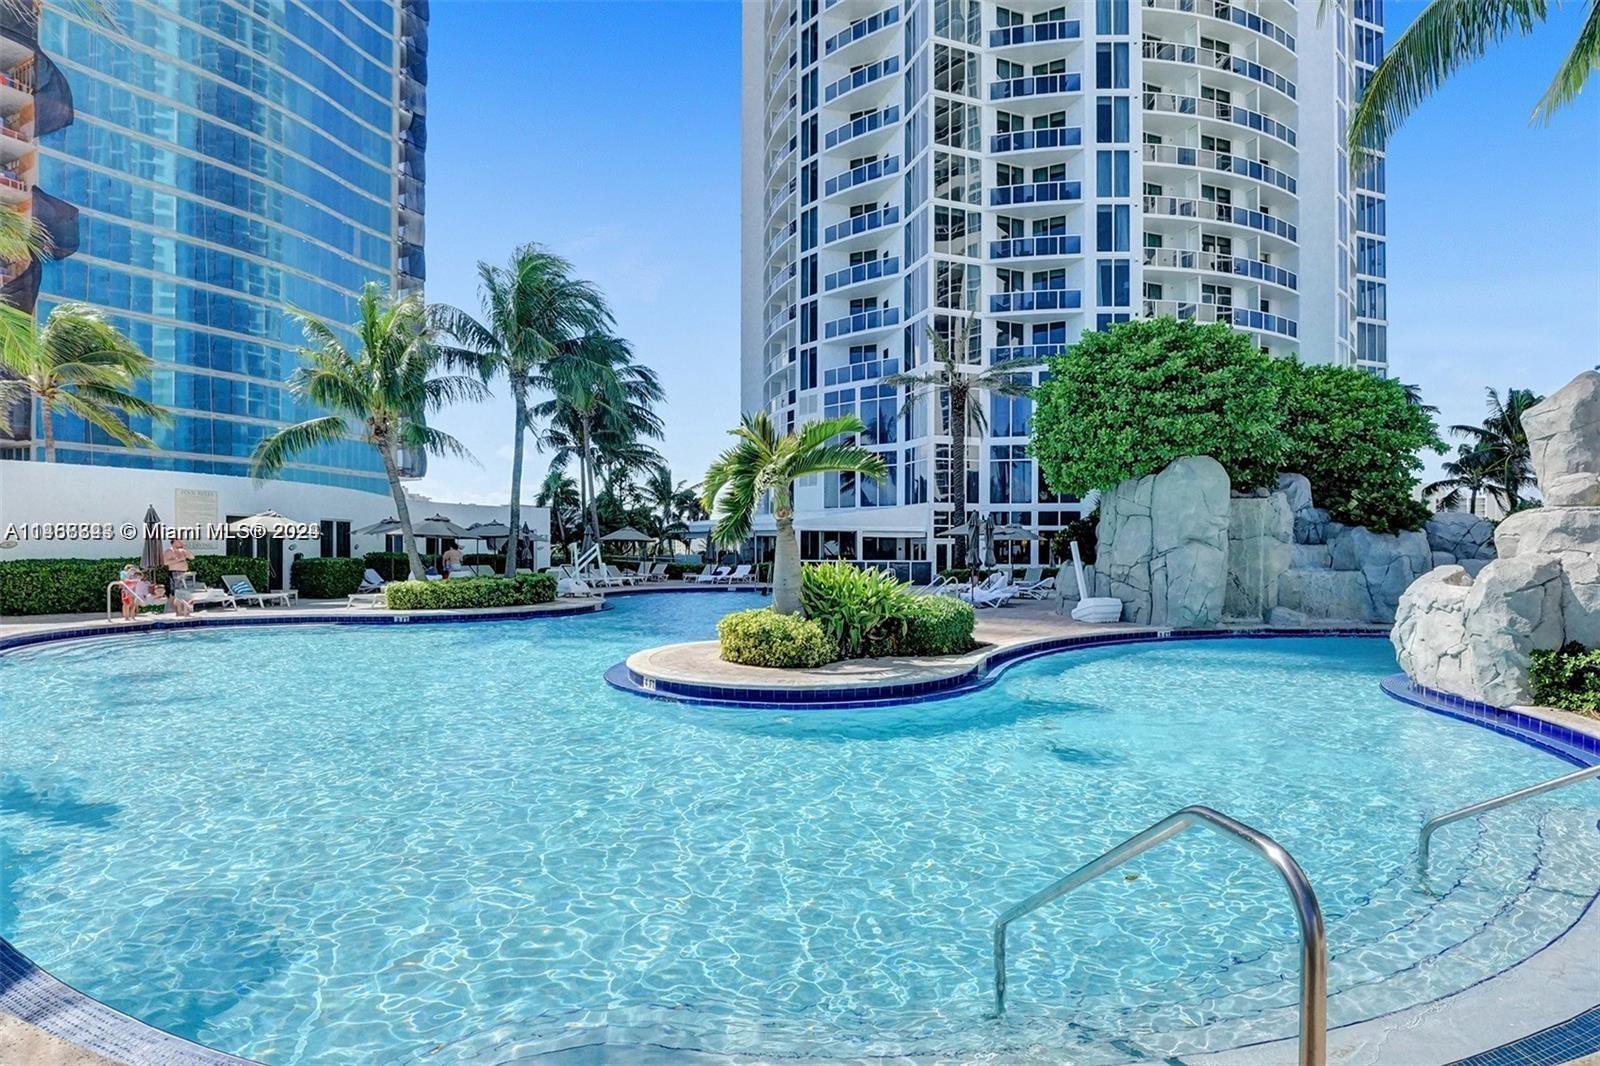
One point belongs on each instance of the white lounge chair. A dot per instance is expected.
(711, 575)
(741, 573)
(1093, 609)
(370, 581)
(240, 588)
(993, 591)
(462, 573)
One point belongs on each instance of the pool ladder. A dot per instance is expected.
(1313, 941)
(1432, 825)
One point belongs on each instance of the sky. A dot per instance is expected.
(609, 132)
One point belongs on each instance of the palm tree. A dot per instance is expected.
(531, 306)
(21, 236)
(1471, 471)
(950, 375)
(763, 462)
(1504, 444)
(1448, 35)
(674, 503)
(602, 404)
(559, 493)
(1414, 398)
(381, 393)
(77, 363)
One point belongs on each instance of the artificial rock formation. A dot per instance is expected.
(1472, 635)
(1163, 544)
(1260, 550)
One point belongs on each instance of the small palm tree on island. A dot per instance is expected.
(381, 394)
(76, 363)
(964, 383)
(762, 462)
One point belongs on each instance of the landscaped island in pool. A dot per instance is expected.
(379, 843)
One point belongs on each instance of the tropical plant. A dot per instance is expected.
(1448, 35)
(559, 493)
(76, 363)
(674, 504)
(531, 307)
(1568, 678)
(958, 387)
(761, 637)
(381, 393)
(858, 608)
(1127, 401)
(602, 403)
(1471, 471)
(1505, 445)
(21, 236)
(763, 462)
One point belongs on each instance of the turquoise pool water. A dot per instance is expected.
(437, 843)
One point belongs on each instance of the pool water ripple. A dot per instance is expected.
(363, 844)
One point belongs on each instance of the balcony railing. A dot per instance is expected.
(1238, 317)
(1033, 247)
(1035, 33)
(1185, 259)
(1042, 192)
(1030, 140)
(1218, 161)
(1227, 12)
(1038, 85)
(1171, 103)
(878, 168)
(1026, 351)
(884, 267)
(850, 227)
(1177, 207)
(1035, 300)
(865, 76)
(857, 30)
(862, 126)
(860, 323)
(1169, 52)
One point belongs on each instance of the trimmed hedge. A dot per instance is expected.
(327, 579)
(758, 637)
(519, 591)
(391, 566)
(937, 625)
(78, 586)
(1568, 679)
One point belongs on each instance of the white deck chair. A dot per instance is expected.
(710, 574)
(740, 573)
(240, 588)
(1094, 609)
(370, 581)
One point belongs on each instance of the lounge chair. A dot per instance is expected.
(1094, 609)
(370, 581)
(462, 573)
(710, 575)
(240, 588)
(994, 591)
(741, 573)
(620, 576)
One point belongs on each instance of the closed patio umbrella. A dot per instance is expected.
(150, 555)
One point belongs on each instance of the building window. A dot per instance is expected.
(1111, 66)
(335, 538)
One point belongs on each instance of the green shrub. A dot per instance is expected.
(937, 625)
(758, 637)
(327, 579)
(391, 566)
(1568, 679)
(78, 586)
(859, 609)
(519, 591)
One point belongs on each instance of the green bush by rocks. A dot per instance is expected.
(78, 586)
(1568, 679)
(327, 579)
(862, 611)
(758, 637)
(937, 625)
(520, 591)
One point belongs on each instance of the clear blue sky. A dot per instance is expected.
(609, 131)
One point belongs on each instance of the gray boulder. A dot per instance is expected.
(1430, 635)
(1310, 556)
(1163, 544)
(1512, 609)
(1465, 536)
(1260, 549)
(1296, 491)
(1571, 535)
(1564, 441)
(1389, 562)
(1442, 559)
(1326, 595)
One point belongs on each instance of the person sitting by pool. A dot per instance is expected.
(138, 592)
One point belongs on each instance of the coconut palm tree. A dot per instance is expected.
(951, 380)
(559, 493)
(380, 393)
(1471, 471)
(602, 403)
(763, 462)
(76, 363)
(20, 236)
(673, 503)
(1448, 35)
(1505, 444)
(531, 306)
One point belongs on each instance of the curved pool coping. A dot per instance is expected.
(32, 994)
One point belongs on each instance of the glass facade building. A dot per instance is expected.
(222, 163)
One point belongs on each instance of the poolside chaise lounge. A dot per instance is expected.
(370, 581)
(710, 575)
(240, 588)
(740, 573)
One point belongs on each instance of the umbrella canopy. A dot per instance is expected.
(265, 524)
(388, 525)
(150, 556)
(628, 534)
(438, 526)
(1014, 532)
(490, 530)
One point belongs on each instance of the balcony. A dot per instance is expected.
(852, 227)
(1035, 300)
(885, 267)
(1172, 104)
(1035, 33)
(1191, 55)
(883, 68)
(1175, 155)
(1227, 12)
(1211, 262)
(1035, 247)
(1237, 317)
(1005, 353)
(1044, 192)
(1038, 85)
(862, 175)
(859, 30)
(1177, 207)
(1034, 140)
(1263, 322)
(851, 131)
(863, 322)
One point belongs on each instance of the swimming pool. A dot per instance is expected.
(387, 843)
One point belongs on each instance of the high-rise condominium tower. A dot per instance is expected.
(200, 167)
(1048, 168)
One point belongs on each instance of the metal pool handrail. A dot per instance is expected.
(1313, 940)
(1432, 825)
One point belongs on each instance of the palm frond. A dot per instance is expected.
(275, 451)
(1575, 69)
